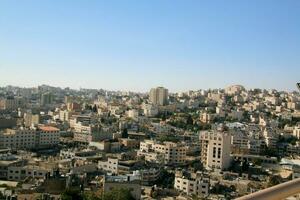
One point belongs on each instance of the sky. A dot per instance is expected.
(139, 44)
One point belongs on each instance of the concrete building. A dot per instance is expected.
(159, 96)
(109, 165)
(64, 115)
(130, 182)
(46, 99)
(296, 132)
(215, 149)
(192, 183)
(41, 137)
(234, 89)
(150, 110)
(171, 153)
(31, 119)
(12, 103)
(85, 132)
(18, 173)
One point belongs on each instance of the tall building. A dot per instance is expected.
(46, 98)
(159, 96)
(215, 149)
(12, 103)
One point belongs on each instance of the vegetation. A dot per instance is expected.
(166, 179)
(169, 138)
(115, 194)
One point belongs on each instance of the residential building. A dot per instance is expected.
(159, 96)
(192, 183)
(215, 149)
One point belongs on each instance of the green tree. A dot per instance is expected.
(118, 194)
(70, 194)
(125, 133)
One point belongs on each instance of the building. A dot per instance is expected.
(7, 161)
(31, 119)
(130, 182)
(64, 115)
(86, 133)
(18, 173)
(215, 149)
(12, 103)
(296, 132)
(40, 137)
(7, 122)
(109, 165)
(192, 183)
(46, 99)
(234, 89)
(159, 96)
(171, 153)
(150, 110)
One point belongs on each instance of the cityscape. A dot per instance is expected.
(149, 100)
(61, 143)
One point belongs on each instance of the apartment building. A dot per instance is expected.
(296, 132)
(192, 183)
(109, 165)
(31, 119)
(172, 153)
(215, 149)
(12, 103)
(40, 137)
(18, 173)
(159, 96)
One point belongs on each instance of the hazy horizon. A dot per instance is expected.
(295, 89)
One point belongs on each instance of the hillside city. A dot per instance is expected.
(95, 144)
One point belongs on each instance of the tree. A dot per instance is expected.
(189, 120)
(95, 109)
(70, 194)
(124, 133)
(166, 179)
(118, 194)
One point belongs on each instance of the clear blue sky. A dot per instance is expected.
(136, 45)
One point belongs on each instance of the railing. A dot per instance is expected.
(277, 192)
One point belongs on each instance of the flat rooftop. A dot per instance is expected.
(48, 128)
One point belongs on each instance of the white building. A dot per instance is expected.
(296, 132)
(215, 149)
(192, 184)
(110, 165)
(170, 152)
(150, 110)
(43, 136)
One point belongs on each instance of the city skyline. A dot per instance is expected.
(140, 45)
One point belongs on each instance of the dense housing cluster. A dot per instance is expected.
(93, 144)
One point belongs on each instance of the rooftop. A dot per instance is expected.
(48, 128)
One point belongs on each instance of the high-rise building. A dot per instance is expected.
(215, 149)
(12, 103)
(46, 98)
(159, 96)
